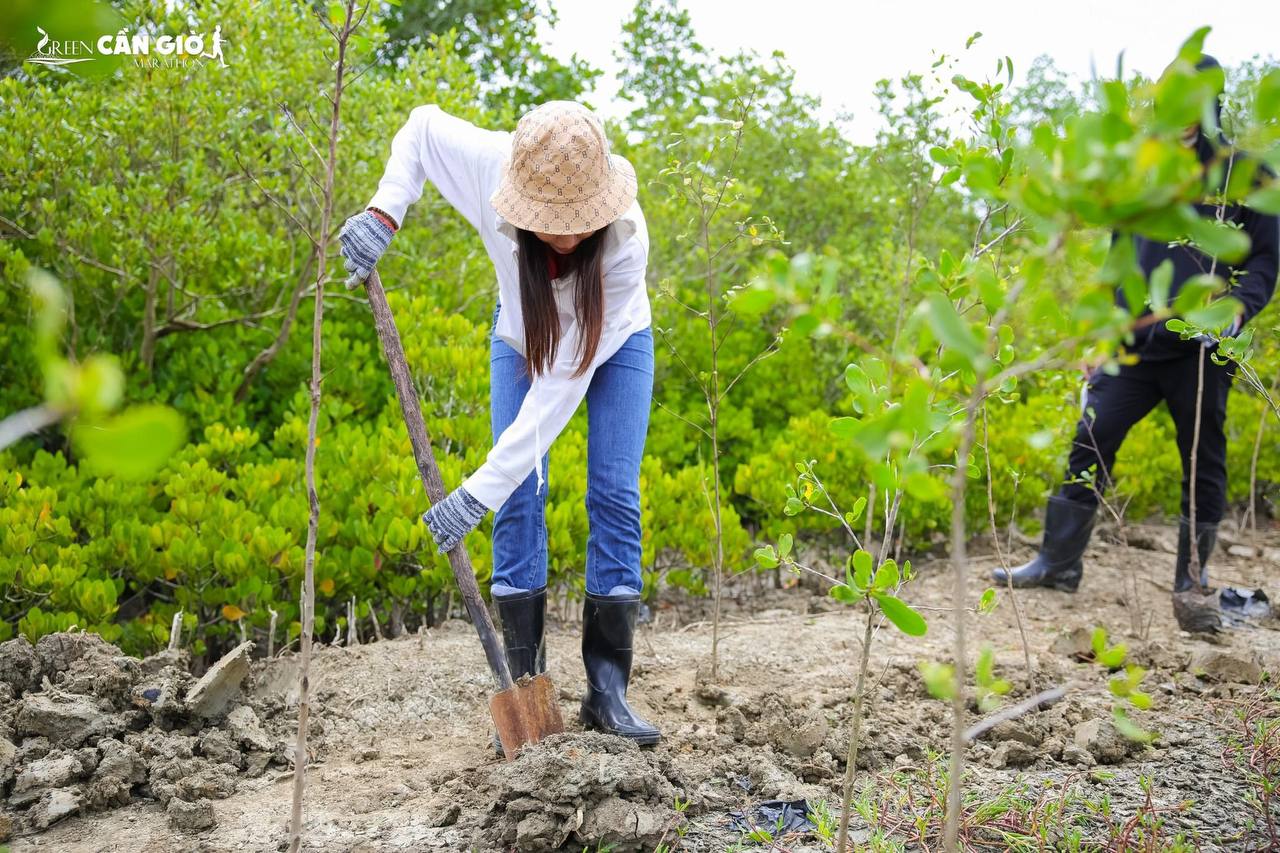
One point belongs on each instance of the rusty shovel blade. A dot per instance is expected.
(526, 713)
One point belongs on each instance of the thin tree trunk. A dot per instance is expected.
(959, 594)
(313, 499)
(851, 759)
(1253, 468)
(1194, 564)
(147, 350)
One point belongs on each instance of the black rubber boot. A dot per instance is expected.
(523, 615)
(1059, 565)
(1206, 539)
(608, 625)
(1195, 608)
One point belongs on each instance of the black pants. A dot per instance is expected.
(1116, 403)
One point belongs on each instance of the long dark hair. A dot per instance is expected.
(538, 304)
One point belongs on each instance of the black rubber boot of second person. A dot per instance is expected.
(608, 626)
(523, 615)
(1206, 539)
(1059, 565)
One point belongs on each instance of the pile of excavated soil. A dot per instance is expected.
(84, 727)
(401, 755)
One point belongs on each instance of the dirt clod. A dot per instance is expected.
(217, 687)
(53, 806)
(66, 719)
(246, 729)
(41, 775)
(1100, 739)
(91, 728)
(1075, 643)
(1223, 666)
(582, 787)
(190, 816)
(1013, 753)
(19, 665)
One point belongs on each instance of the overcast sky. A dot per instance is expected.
(839, 49)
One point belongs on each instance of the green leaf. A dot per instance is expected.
(132, 445)
(1266, 100)
(1099, 641)
(950, 328)
(984, 670)
(939, 679)
(1195, 292)
(901, 615)
(754, 301)
(856, 513)
(784, 545)
(1113, 658)
(1265, 200)
(862, 569)
(1191, 49)
(1129, 729)
(1158, 285)
(765, 558)
(1219, 240)
(845, 594)
(1215, 316)
(987, 602)
(886, 576)
(943, 156)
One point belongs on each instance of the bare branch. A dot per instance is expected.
(681, 417)
(66, 247)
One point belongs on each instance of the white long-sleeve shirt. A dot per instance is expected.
(465, 164)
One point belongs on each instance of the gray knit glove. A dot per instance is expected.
(364, 237)
(453, 518)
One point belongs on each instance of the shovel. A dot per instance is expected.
(523, 713)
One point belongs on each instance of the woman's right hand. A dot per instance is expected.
(364, 237)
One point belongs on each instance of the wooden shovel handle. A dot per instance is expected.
(430, 474)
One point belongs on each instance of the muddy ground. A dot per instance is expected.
(402, 755)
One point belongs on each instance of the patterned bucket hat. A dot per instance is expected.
(561, 178)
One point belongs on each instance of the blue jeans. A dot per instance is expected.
(618, 401)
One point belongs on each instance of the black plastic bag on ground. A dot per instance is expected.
(779, 816)
(1240, 605)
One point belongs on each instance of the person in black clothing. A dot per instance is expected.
(1167, 369)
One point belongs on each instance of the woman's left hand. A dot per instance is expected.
(453, 518)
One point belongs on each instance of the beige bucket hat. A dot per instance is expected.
(561, 178)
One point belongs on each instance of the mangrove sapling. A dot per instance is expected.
(1056, 192)
(1251, 513)
(1123, 686)
(711, 192)
(940, 680)
(872, 584)
(342, 22)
